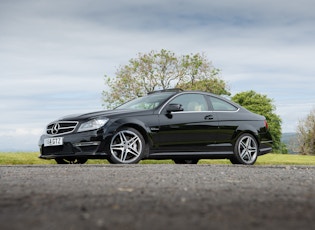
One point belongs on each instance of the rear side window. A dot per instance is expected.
(221, 105)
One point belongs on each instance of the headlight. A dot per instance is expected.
(92, 124)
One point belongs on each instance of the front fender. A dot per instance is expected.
(142, 124)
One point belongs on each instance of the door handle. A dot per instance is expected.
(209, 117)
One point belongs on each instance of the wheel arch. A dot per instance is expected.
(137, 127)
(142, 130)
(246, 129)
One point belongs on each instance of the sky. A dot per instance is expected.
(54, 54)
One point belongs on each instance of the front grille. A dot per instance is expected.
(61, 127)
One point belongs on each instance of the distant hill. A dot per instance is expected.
(287, 140)
(286, 137)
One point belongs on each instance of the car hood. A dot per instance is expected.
(104, 113)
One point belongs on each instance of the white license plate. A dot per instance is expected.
(55, 141)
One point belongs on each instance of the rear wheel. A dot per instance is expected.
(71, 160)
(180, 161)
(245, 150)
(127, 146)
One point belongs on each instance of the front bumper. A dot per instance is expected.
(91, 144)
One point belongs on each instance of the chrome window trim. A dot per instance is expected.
(224, 111)
(204, 111)
(208, 111)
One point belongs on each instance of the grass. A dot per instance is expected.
(31, 158)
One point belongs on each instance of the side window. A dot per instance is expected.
(191, 102)
(221, 105)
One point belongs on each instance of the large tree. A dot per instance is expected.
(261, 104)
(306, 135)
(162, 70)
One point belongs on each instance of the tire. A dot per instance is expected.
(71, 160)
(245, 150)
(127, 146)
(180, 161)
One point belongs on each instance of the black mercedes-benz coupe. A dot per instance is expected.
(184, 126)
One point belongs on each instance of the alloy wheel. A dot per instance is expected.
(247, 149)
(127, 146)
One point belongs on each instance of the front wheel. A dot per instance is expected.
(245, 150)
(127, 146)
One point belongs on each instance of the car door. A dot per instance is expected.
(192, 129)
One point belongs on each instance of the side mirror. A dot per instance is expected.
(174, 108)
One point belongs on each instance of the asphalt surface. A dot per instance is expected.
(157, 197)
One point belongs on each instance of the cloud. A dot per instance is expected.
(54, 54)
(20, 132)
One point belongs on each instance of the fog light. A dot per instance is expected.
(89, 143)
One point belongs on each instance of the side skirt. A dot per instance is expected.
(191, 155)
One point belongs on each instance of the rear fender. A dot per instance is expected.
(246, 128)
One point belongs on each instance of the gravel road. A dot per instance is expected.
(157, 197)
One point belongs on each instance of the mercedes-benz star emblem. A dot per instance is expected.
(55, 128)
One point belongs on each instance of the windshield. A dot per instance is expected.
(150, 101)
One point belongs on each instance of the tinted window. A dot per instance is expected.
(191, 102)
(221, 105)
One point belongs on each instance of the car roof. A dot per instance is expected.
(175, 90)
(178, 90)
